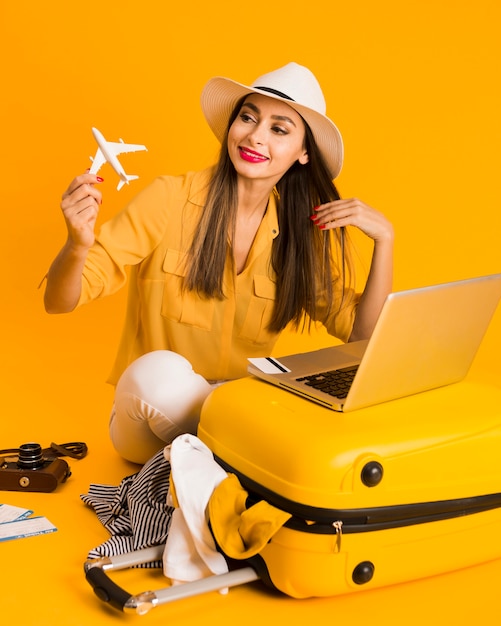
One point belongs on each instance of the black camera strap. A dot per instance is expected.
(75, 449)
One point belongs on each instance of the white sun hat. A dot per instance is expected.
(293, 84)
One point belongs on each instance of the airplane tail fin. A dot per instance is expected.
(122, 182)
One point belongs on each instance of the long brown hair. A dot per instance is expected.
(302, 256)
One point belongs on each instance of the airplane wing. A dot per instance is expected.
(97, 162)
(121, 147)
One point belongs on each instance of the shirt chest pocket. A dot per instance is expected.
(181, 305)
(259, 312)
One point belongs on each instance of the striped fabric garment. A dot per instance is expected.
(135, 513)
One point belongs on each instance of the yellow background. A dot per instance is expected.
(414, 88)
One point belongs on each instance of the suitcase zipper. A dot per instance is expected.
(338, 529)
(382, 518)
(320, 520)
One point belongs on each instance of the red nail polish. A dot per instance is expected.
(321, 226)
(314, 218)
(99, 179)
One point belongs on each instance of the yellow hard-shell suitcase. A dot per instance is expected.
(391, 493)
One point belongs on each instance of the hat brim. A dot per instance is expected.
(220, 96)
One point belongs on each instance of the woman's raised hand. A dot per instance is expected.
(80, 205)
(353, 212)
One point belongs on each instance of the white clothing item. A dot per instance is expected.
(157, 398)
(190, 551)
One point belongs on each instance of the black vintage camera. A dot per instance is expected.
(29, 469)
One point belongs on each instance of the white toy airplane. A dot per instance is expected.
(108, 151)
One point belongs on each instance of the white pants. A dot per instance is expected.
(157, 398)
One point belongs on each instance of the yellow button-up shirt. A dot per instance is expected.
(152, 235)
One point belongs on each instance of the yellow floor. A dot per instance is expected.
(42, 577)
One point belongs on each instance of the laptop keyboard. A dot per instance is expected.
(336, 383)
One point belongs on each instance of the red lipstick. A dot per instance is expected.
(251, 156)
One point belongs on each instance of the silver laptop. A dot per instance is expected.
(424, 338)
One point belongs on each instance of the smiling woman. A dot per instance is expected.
(266, 132)
(224, 259)
(265, 140)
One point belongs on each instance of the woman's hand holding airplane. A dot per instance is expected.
(80, 205)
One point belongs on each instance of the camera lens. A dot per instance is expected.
(30, 456)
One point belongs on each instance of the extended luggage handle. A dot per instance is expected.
(108, 591)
